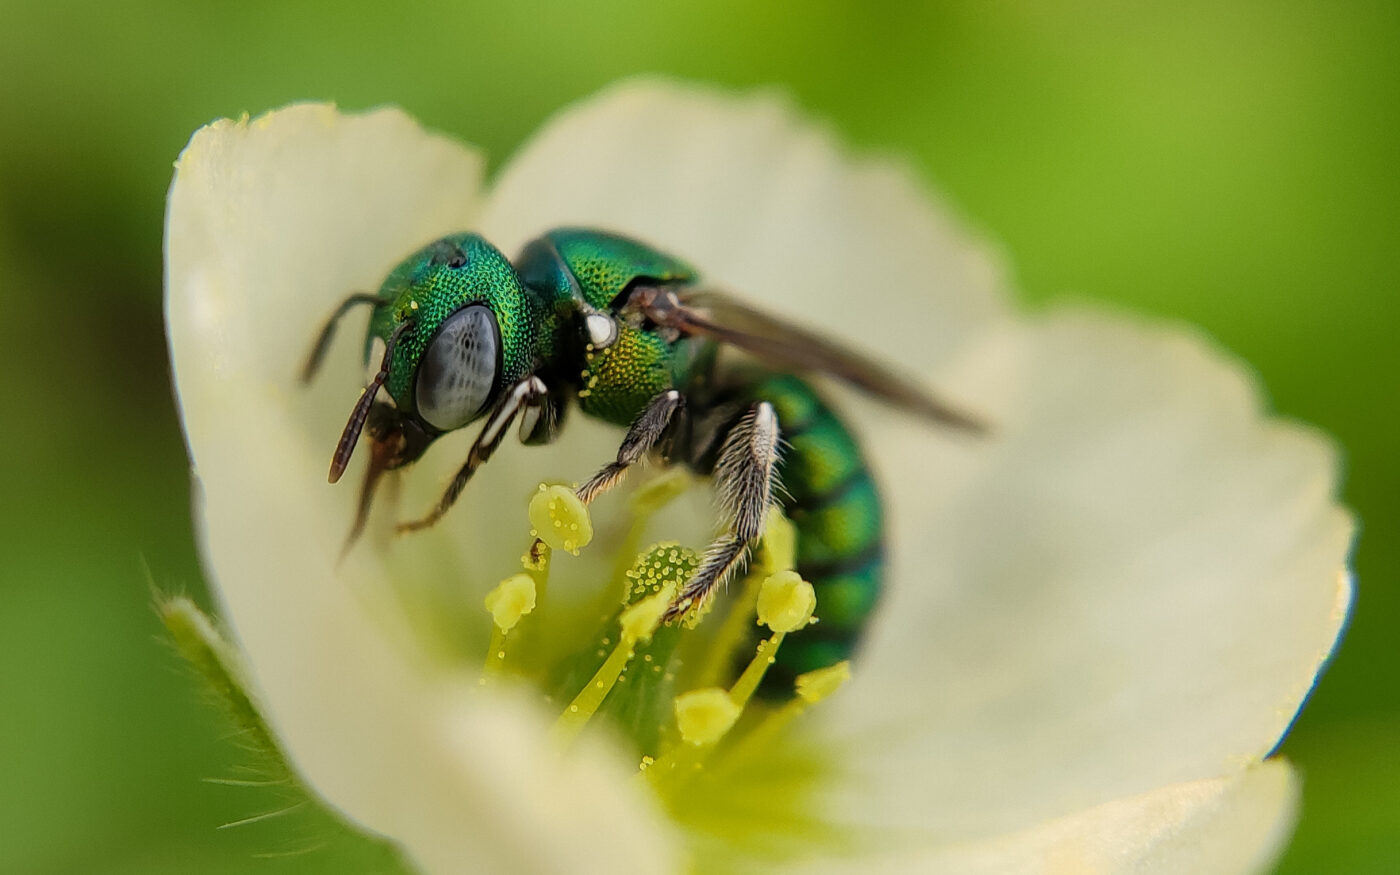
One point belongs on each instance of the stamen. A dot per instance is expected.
(642, 618)
(560, 519)
(776, 553)
(785, 603)
(512, 599)
(814, 686)
(652, 582)
(586, 703)
(704, 716)
(638, 622)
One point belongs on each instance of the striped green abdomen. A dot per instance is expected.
(833, 503)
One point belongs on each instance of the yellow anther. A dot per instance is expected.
(785, 602)
(512, 599)
(704, 716)
(560, 519)
(814, 686)
(641, 619)
(779, 546)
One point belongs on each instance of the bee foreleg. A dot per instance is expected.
(641, 438)
(522, 394)
(744, 481)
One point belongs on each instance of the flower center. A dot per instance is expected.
(682, 694)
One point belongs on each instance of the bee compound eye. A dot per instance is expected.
(458, 370)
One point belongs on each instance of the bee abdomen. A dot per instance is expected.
(834, 505)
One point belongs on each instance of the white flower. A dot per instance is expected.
(1099, 621)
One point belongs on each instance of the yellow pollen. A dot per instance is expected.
(560, 519)
(785, 602)
(704, 716)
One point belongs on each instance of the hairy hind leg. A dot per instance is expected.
(744, 480)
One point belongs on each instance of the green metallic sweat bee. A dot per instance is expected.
(629, 334)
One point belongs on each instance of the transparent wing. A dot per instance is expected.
(786, 347)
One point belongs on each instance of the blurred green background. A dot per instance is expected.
(1228, 163)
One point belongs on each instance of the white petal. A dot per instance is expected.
(1223, 826)
(1132, 584)
(762, 202)
(270, 223)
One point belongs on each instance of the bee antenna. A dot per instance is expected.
(351, 435)
(323, 340)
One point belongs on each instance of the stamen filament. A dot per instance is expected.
(744, 687)
(585, 704)
(812, 687)
(495, 656)
(637, 622)
(511, 600)
(776, 554)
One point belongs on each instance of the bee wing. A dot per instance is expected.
(787, 347)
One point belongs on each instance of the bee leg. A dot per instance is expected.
(641, 438)
(521, 395)
(744, 480)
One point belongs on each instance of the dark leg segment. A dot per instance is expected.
(744, 482)
(641, 438)
(522, 394)
(345, 447)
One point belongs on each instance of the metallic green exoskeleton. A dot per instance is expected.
(632, 337)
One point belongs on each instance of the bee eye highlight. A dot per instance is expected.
(457, 374)
(457, 261)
